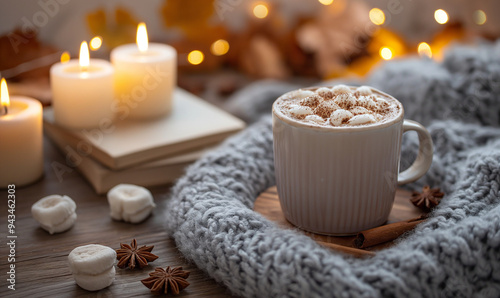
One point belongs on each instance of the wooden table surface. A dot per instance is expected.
(41, 267)
(41, 259)
(268, 205)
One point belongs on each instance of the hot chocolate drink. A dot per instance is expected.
(336, 157)
(340, 106)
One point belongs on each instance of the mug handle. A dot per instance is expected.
(424, 158)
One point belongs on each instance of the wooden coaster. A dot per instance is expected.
(268, 205)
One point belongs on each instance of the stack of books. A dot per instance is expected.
(144, 153)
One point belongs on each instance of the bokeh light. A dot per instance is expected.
(65, 56)
(377, 16)
(385, 53)
(260, 11)
(95, 43)
(479, 17)
(195, 57)
(326, 2)
(219, 47)
(441, 16)
(424, 49)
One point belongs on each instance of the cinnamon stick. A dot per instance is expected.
(385, 233)
(349, 250)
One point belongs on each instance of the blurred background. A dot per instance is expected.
(224, 45)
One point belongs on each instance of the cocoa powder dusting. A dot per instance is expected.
(360, 101)
(311, 101)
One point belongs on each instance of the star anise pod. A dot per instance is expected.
(168, 280)
(130, 255)
(427, 199)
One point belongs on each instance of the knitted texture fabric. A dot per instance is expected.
(455, 253)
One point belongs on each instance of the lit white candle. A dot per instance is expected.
(82, 91)
(146, 75)
(21, 143)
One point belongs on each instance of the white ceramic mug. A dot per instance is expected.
(342, 180)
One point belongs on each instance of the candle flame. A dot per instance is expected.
(5, 100)
(84, 56)
(142, 37)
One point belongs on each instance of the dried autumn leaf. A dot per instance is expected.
(195, 20)
(115, 32)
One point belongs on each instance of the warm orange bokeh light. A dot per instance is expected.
(219, 47)
(195, 57)
(424, 49)
(260, 11)
(441, 16)
(65, 57)
(377, 16)
(95, 43)
(326, 2)
(385, 53)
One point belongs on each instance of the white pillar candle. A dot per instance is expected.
(82, 92)
(21, 142)
(145, 77)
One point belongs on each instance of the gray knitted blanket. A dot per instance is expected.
(455, 253)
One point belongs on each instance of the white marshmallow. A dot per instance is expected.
(330, 104)
(325, 92)
(91, 259)
(345, 100)
(301, 94)
(139, 216)
(364, 90)
(326, 108)
(367, 103)
(315, 118)
(339, 116)
(357, 110)
(95, 282)
(64, 226)
(130, 203)
(311, 101)
(362, 119)
(381, 104)
(341, 89)
(55, 213)
(299, 111)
